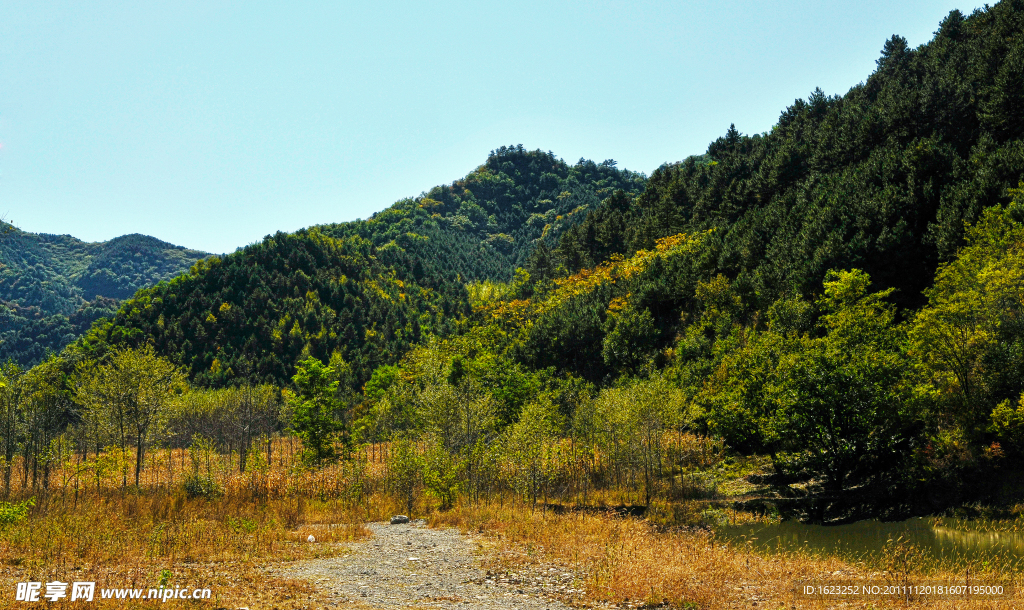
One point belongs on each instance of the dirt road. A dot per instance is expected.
(412, 566)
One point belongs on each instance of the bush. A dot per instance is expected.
(12, 513)
(198, 486)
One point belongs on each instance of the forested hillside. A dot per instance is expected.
(882, 178)
(486, 225)
(841, 294)
(365, 290)
(52, 287)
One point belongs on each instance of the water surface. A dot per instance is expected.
(941, 539)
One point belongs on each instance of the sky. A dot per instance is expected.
(212, 124)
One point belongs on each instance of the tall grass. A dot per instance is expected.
(628, 562)
(131, 538)
(87, 527)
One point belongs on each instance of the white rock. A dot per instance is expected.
(311, 538)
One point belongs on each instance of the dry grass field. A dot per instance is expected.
(84, 528)
(629, 563)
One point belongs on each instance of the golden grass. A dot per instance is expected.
(629, 563)
(167, 468)
(128, 539)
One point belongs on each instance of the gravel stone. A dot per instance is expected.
(405, 566)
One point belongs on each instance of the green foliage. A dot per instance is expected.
(848, 393)
(12, 421)
(380, 382)
(366, 290)
(1008, 424)
(233, 419)
(890, 171)
(201, 486)
(53, 287)
(809, 293)
(740, 400)
(627, 344)
(486, 225)
(404, 471)
(442, 475)
(593, 324)
(314, 417)
(13, 513)
(127, 392)
(631, 422)
(165, 577)
(255, 313)
(458, 416)
(529, 445)
(970, 337)
(840, 400)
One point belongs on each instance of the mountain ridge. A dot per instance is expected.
(362, 291)
(52, 287)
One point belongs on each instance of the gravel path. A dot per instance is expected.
(412, 566)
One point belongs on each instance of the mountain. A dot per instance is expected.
(486, 225)
(841, 294)
(53, 287)
(363, 291)
(882, 178)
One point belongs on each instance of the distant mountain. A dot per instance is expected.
(53, 287)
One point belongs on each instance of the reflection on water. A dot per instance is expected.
(938, 538)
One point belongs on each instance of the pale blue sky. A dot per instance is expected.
(211, 124)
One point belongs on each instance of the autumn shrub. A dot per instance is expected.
(12, 513)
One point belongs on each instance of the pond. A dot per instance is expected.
(944, 540)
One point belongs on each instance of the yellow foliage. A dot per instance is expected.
(519, 312)
(618, 304)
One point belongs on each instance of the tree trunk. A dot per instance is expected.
(8, 459)
(647, 485)
(777, 467)
(35, 467)
(139, 452)
(24, 466)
